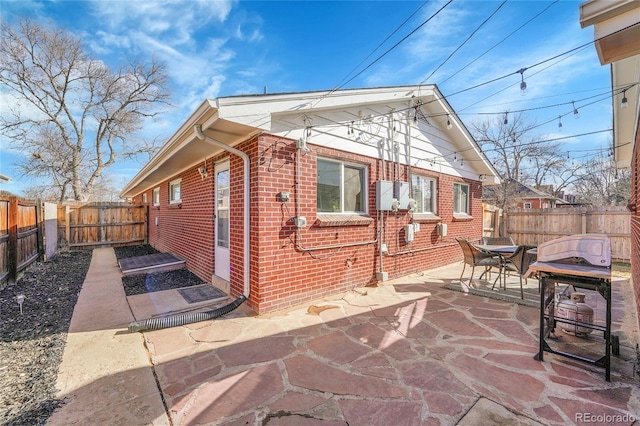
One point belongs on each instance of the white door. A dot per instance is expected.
(222, 221)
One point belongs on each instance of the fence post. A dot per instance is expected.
(40, 226)
(583, 222)
(67, 224)
(12, 243)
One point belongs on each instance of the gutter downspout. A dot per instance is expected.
(189, 318)
(247, 203)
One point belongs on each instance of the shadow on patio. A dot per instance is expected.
(406, 352)
(409, 351)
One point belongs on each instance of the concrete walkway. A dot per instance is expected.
(408, 352)
(106, 377)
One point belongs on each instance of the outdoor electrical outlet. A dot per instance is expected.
(283, 196)
(300, 221)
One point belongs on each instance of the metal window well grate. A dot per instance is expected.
(201, 293)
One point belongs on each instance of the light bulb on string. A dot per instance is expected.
(624, 103)
(506, 118)
(523, 84)
(449, 126)
(576, 113)
(559, 122)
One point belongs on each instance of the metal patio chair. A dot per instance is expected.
(518, 262)
(474, 256)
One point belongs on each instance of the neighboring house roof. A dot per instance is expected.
(616, 27)
(520, 192)
(234, 119)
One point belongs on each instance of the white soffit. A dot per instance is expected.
(625, 121)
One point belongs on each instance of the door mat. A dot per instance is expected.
(201, 293)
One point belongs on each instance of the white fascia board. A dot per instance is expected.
(471, 152)
(262, 107)
(206, 109)
(596, 11)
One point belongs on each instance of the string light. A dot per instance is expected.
(623, 103)
(576, 113)
(523, 84)
(506, 118)
(559, 122)
(449, 126)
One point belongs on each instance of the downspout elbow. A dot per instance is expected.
(247, 203)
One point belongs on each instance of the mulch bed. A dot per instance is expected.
(157, 281)
(32, 343)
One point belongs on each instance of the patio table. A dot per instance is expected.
(500, 250)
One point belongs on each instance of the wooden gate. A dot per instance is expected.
(105, 223)
(20, 236)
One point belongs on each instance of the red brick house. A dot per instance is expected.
(292, 197)
(521, 196)
(616, 25)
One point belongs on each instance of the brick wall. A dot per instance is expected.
(185, 228)
(283, 274)
(635, 222)
(289, 275)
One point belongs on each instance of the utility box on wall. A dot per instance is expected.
(384, 195)
(408, 233)
(402, 194)
(441, 229)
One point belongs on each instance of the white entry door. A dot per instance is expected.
(222, 221)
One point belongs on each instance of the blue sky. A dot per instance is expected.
(222, 48)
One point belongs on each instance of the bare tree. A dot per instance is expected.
(71, 115)
(602, 184)
(518, 156)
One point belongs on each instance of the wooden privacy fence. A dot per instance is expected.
(535, 226)
(20, 236)
(105, 223)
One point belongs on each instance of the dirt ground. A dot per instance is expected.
(32, 342)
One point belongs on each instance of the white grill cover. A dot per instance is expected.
(594, 248)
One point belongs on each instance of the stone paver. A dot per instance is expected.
(420, 356)
(407, 352)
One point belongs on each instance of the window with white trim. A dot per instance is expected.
(424, 193)
(144, 197)
(156, 196)
(460, 198)
(527, 205)
(175, 191)
(341, 187)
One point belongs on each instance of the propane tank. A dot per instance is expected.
(575, 309)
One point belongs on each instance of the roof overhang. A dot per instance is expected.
(235, 119)
(616, 27)
(617, 40)
(625, 73)
(184, 150)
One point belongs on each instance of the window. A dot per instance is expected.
(144, 197)
(156, 196)
(527, 205)
(424, 192)
(460, 198)
(341, 187)
(174, 191)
